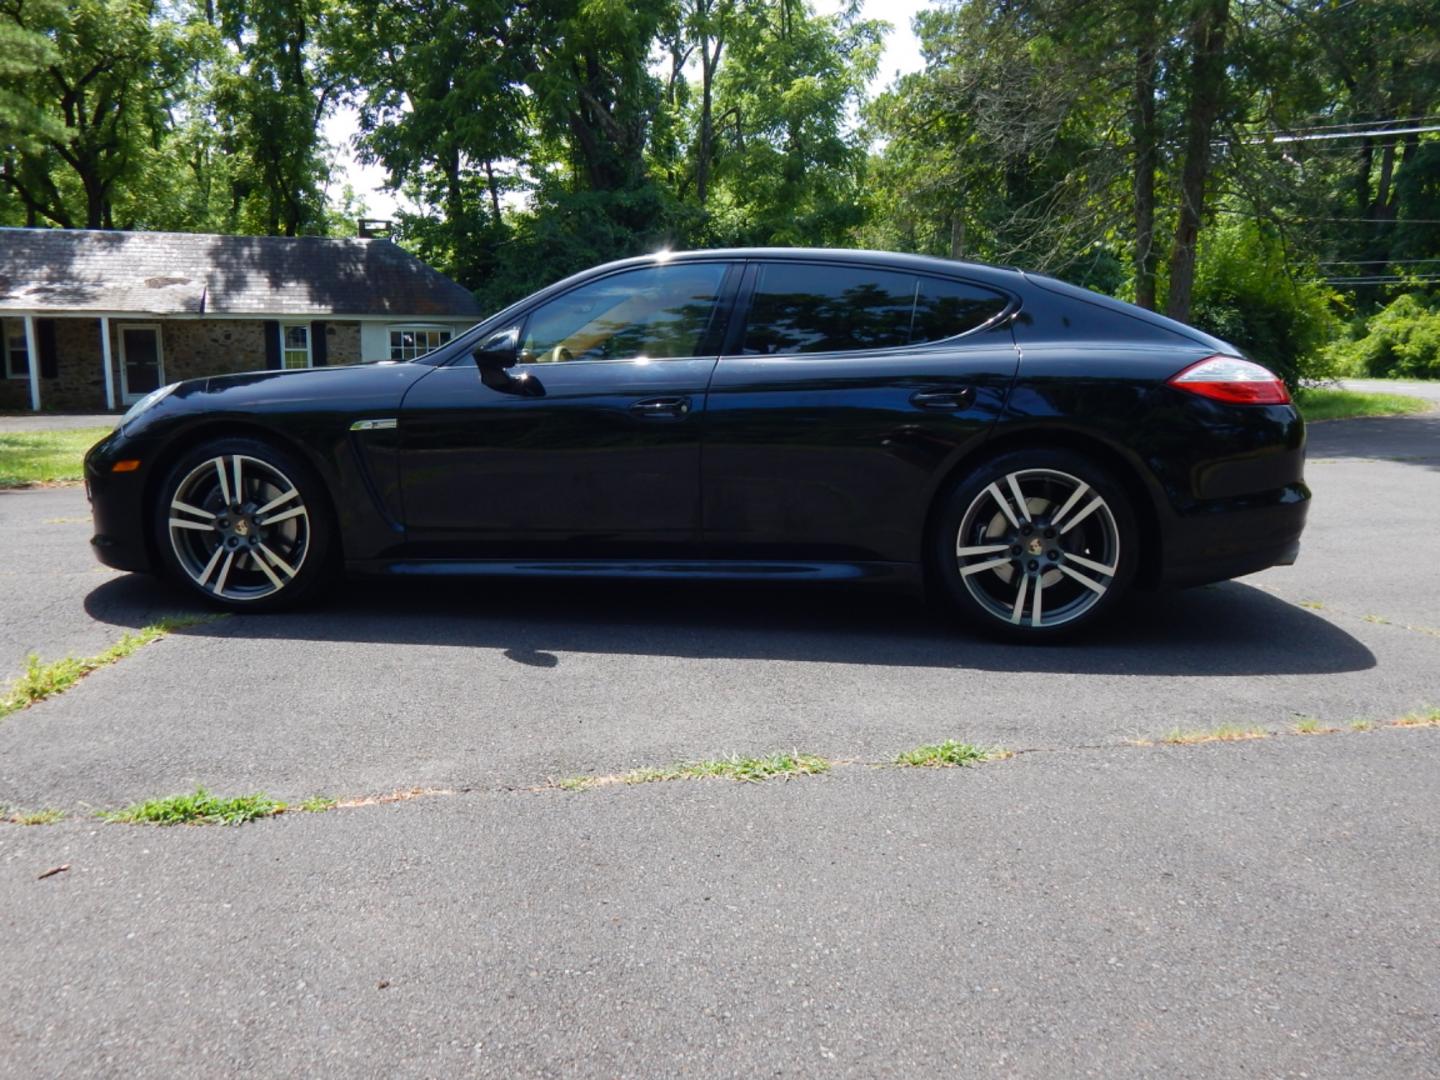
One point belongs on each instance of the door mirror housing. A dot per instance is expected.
(498, 351)
(495, 355)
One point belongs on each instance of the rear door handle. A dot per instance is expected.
(663, 408)
(944, 400)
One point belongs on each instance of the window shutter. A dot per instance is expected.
(272, 344)
(319, 347)
(45, 342)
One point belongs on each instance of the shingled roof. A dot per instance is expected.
(62, 271)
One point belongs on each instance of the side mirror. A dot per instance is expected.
(497, 353)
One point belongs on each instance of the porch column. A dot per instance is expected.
(105, 359)
(33, 353)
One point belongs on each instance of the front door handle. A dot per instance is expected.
(663, 408)
(944, 400)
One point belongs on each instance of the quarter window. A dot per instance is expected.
(17, 353)
(408, 342)
(296, 340)
(657, 313)
(812, 308)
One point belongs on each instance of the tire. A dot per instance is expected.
(266, 545)
(1043, 567)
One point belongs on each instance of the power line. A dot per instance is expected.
(1327, 136)
(1379, 280)
(1374, 262)
(1355, 124)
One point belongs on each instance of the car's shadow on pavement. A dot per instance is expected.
(1226, 630)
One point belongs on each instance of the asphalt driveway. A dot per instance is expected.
(1262, 907)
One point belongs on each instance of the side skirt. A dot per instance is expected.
(907, 574)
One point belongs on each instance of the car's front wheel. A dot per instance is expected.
(244, 524)
(1036, 544)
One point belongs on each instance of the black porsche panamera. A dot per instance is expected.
(1024, 448)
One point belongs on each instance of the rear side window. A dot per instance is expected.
(800, 308)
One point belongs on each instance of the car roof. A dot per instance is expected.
(930, 264)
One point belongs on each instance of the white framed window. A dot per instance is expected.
(16, 352)
(408, 342)
(295, 345)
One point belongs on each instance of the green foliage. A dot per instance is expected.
(1246, 293)
(1401, 341)
(198, 808)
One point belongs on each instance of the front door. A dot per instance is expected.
(602, 458)
(142, 365)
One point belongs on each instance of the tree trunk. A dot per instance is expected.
(1145, 135)
(1207, 94)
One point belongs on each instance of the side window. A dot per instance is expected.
(799, 308)
(657, 312)
(802, 308)
(945, 308)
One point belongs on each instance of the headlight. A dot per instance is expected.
(149, 401)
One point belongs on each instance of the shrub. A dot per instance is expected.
(1401, 340)
(1245, 293)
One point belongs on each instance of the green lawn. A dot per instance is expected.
(42, 457)
(1328, 403)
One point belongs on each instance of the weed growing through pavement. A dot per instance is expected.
(1310, 725)
(30, 817)
(1223, 733)
(948, 754)
(751, 770)
(1424, 718)
(42, 681)
(198, 808)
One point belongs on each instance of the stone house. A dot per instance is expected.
(93, 320)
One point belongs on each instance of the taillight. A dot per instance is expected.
(1232, 380)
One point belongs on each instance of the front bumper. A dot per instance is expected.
(117, 508)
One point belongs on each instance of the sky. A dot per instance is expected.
(902, 55)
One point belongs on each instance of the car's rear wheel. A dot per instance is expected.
(245, 525)
(1036, 544)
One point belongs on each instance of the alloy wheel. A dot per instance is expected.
(1038, 548)
(239, 527)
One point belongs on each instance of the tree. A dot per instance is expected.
(85, 109)
(270, 100)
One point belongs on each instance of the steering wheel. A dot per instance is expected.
(558, 353)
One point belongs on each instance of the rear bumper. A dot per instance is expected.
(1227, 538)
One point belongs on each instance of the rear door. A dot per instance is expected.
(605, 460)
(842, 392)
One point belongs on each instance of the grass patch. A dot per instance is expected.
(1424, 718)
(1329, 403)
(1223, 733)
(750, 770)
(42, 681)
(1313, 605)
(317, 804)
(198, 808)
(1361, 725)
(45, 457)
(948, 754)
(1310, 725)
(31, 817)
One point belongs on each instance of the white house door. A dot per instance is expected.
(142, 365)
